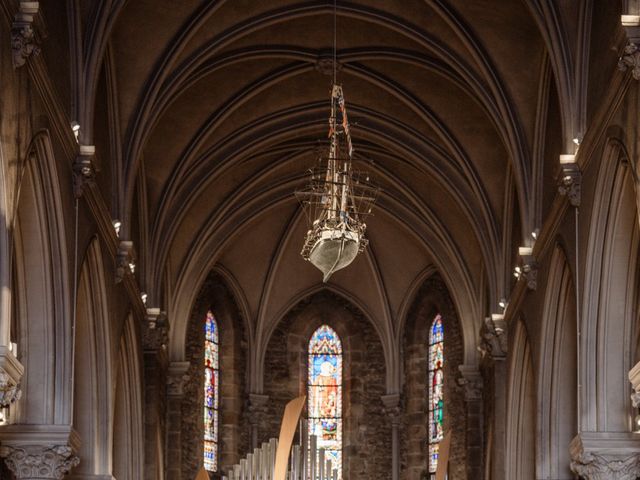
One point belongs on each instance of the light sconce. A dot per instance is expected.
(503, 303)
(143, 296)
(132, 267)
(116, 226)
(75, 128)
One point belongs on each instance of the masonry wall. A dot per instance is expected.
(234, 426)
(432, 298)
(367, 429)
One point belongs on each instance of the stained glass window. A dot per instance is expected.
(325, 393)
(211, 392)
(436, 391)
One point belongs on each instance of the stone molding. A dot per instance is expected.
(24, 41)
(39, 461)
(605, 456)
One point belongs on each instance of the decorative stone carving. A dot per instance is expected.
(156, 334)
(124, 259)
(83, 170)
(9, 390)
(39, 461)
(177, 378)
(590, 466)
(630, 59)
(324, 64)
(529, 271)
(494, 337)
(23, 36)
(392, 407)
(570, 183)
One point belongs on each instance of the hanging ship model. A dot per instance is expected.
(337, 200)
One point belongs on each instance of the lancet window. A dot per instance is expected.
(436, 391)
(325, 392)
(211, 392)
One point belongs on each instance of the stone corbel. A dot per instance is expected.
(11, 371)
(24, 40)
(494, 337)
(392, 407)
(156, 332)
(605, 456)
(471, 380)
(124, 259)
(39, 451)
(83, 170)
(570, 181)
(528, 267)
(176, 378)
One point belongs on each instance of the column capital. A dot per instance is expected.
(392, 406)
(605, 456)
(570, 181)
(39, 452)
(494, 337)
(24, 39)
(472, 381)
(177, 377)
(155, 334)
(11, 371)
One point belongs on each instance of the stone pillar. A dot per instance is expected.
(391, 404)
(39, 452)
(257, 412)
(473, 383)
(155, 337)
(605, 456)
(494, 347)
(176, 379)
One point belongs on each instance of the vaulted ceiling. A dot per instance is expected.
(220, 108)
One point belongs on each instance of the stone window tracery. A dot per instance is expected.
(211, 393)
(436, 391)
(324, 392)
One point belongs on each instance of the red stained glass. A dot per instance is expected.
(436, 390)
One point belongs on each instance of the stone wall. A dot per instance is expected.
(234, 427)
(431, 299)
(367, 430)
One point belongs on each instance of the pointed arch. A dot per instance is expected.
(128, 429)
(93, 401)
(557, 382)
(520, 454)
(42, 264)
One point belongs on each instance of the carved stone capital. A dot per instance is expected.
(570, 183)
(529, 271)
(124, 259)
(31, 462)
(630, 59)
(156, 332)
(393, 407)
(494, 337)
(24, 41)
(176, 378)
(11, 371)
(471, 380)
(83, 170)
(605, 456)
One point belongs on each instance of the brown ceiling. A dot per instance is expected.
(221, 108)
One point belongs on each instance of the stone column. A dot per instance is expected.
(473, 383)
(257, 412)
(39, 452)
(494, 347)
(176, 379)
(391, 404)
(155, 337)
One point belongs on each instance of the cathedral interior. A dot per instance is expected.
(156, 313)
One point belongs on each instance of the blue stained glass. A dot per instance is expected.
(211, 393)
(324, 392)
(436, 391)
